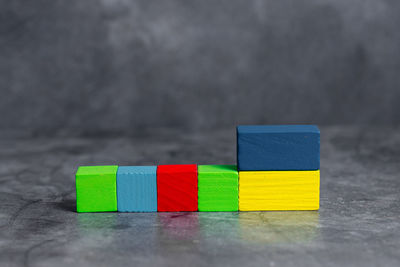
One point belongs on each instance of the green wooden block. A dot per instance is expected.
(218, 188)
(96, 188)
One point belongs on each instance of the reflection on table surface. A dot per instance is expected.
(279, 227)
(248, 227)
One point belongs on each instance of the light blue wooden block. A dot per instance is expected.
(137, 189)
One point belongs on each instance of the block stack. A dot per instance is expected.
(277, 169)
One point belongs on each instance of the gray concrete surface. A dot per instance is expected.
(118, 65)
(358, 223)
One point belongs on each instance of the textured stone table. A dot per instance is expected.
(358, 223)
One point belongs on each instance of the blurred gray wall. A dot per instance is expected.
(92, 66)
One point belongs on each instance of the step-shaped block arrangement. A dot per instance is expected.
(137, 188)
(218, 188)
(177, 187)
(278, 167)
(278, 147)
(279, 190)
(96, 188)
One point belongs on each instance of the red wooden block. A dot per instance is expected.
(177, 187)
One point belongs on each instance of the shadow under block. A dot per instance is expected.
(218, 188)
(96, 188)
(177, 187)
(278, 147)
(278, 190)
(137, 188)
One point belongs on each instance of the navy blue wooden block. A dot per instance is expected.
(278, 147)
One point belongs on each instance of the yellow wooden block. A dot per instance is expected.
(278, 190)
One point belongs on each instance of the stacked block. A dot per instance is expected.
(96, 188)
(278, 167)
(278, 148)
(137, 189)
(218, 188)
(177, 187)
(279, 190)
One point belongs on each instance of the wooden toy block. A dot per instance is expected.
(218, 188)
(96, 188)
(278, 190)
(278, 147)
(137, 188)
(177, 187)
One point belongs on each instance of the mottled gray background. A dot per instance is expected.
(99, 82)
(118, 66)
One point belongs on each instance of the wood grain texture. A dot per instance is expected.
(137, 188)
(218, 188)
(279, 190)
(96, 188)
(278, 147)
(177, 187)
